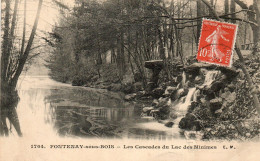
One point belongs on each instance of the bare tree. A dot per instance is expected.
(12, 64)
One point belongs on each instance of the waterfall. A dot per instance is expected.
(195, 95)
(184, 106)
(183, 78)
(210, 77)
(183, 103)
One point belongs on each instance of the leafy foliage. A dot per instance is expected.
(239, 119)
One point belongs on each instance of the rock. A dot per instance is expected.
(164, 108)
(203, 72)
(115, 87)
(195, 68)
(225, 94)
(138, 86)
(203, 100)
(189, 122)
(177, 95)
(228, 98)
(231, 98)
(152, 64)
(155, 102)
(190, 84)
(192, 106)
(173, 115)
(170, 91)
(127, 88)
(157, 92)
(156, 66)
(215, 86)
(169, 124)
(140, 94)
(164, 112)
(155, 113)
(164, 101)
(198, 80)
(148, 109)
(146, 98)
(150, 86)
(130, 97)
(215, 104)
(180, 93)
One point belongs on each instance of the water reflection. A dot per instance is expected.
(58, 109)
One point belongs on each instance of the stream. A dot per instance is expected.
(51, 109)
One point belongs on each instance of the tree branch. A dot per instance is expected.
(241, 4)
(24, 28)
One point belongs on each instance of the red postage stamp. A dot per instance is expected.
(217, 40)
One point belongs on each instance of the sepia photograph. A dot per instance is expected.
(130, 80)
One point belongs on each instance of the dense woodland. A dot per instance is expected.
(109, 44)
(124, 34)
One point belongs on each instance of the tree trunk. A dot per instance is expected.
(4, 60)
(4, 56)
(24, 28)
(11, 37)
(99, 59)
(120, 55)
(233, 9)
(256, 5)
(161, 48)
(199, 14)
(226, 6)
(113, 56)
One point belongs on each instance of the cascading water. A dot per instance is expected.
(182, 106)
(183, 79)
(210, 77)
